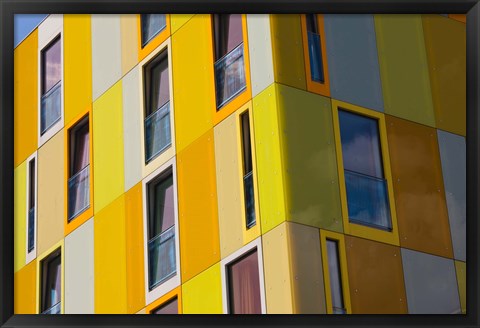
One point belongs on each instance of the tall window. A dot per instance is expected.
(161, 230)
(335, 277)
(366, 186)
(247, 171)
(51, 80)
(157, 107)
(51, 286)
(152, 24)
(244, 285)
(229, 61)
(170, 307)
(314, 48)
(31, 206)
(79, 174)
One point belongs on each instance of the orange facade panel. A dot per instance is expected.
(25, 290)
(418, 186)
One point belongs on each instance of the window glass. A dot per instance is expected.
(244, 285)
(161, 207)
(247, 171)
(31, 206)
(51, 284)
(152, 24)
(314, 48)
(171, 307)
(52, 66)
(335, 277)
(159, 92)
(228, 33)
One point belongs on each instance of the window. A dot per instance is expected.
(247, 171)
(335, 277)
(51, 80)
(244, 285)
(161, 229)
(79, 166)
(366, 187)
(51, 286)
(152, 24)
(229, 60)
(170, 307)
(157, 107)
(31, 205)
(314, 48)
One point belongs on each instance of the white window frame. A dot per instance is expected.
(169, 152)
(48, 30)
(173, 282)
(30, 256)
(256, 243)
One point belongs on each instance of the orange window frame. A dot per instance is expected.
(153, 43)
(243, 97)
(314, 86)
(176, 292)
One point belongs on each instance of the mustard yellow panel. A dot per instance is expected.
(24, 289)
(193, 82)
(25, 98)
(135, 248)
(77, 47)
(128, 30)
(20, 215)
(110, 259)
(309, 159)
(404, 68)
(203, 293)
(278, 276)
(288, 58)
(445, 41)
(108, 147)
(197, 204)
(177, 20)
(269, 159)
(461, 269)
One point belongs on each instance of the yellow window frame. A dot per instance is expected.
(358, 230)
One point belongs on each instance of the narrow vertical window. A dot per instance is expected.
(314, 48)
(152, 24)
(51, 288)
(244, 285)
(157, 107)
(161, 230)
(171, 307)
(31, 205)
(79, 174)
(229, 60)
(336, 290)
(51, 80)
(366, 186)
(247, 171)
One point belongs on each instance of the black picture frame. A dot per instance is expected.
(10, 7)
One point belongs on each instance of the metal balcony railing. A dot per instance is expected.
(249, 200)
(51, 109)
(161, 257)
(157, 132)
(229, 76)
(31, 228)
(79, 192)
(315, 53)
(55, 309)
(367, 199)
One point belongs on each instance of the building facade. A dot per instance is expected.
(241, 164)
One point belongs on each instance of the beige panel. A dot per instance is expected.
(50, 193)
(307, 270)
(129, 40)
(278, 289)
(228, 186)
(79, 270)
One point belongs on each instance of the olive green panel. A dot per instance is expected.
(306, 265)
(287, 45)
(308, 148)
(20, 215)
(269, 165)
(461, 269)
(403, 68)
(445, 41)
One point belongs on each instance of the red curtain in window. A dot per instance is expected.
(245, 286)
(228, 33)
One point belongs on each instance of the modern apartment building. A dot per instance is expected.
(240, 164)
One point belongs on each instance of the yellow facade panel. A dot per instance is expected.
(108, 147)
(203, 293)
(20, 215)
(193, 81)
(197, 203)
(78, 64)
(25, 98)
(110, 259)
(134, 244)
(177, 20)
(128, 29)
(24, 289)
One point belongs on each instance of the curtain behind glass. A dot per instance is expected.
(52, 66)
(81, 148)
(161, 216)
(160, 90)
(244, 286)
(228, 33)
(170, 308)
(51, 282)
